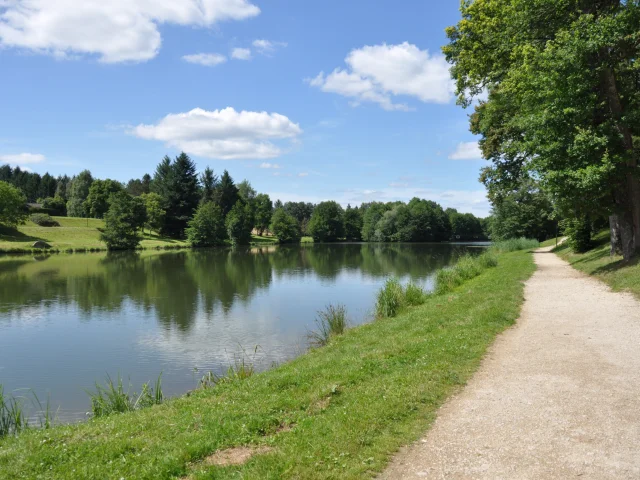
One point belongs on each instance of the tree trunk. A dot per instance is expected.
(625, 227)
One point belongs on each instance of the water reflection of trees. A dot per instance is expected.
(179, 286)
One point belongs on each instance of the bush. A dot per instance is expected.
(513, 244)
(55, 205)
(44, 220)
(12, 205)
(285, 227)
(390, 299)
(578, 231)
(331, 322)
(206, 228)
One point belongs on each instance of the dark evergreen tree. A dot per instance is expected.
(209, 183)
(182, 195)
(227, 193)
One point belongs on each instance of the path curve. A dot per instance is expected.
(557, 396)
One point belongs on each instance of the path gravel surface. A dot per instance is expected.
(557, 396)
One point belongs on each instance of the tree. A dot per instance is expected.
(327, 224)
(154, 210)
(121, 223)
(57, 205)
(12, 205)
(302, 212)
(246, 191)
(525, 212)
(285, 227)
(430, 222)
(227, 193)
(239, 223)
(139, 213)
(206, 228)
(97, 202)
(464, 226)
(177, 183)
(209, 183)
(62, 185)
(263, 210)
(78, 192)
(353, 224)
(372, 214)
(277, 205)
(395, 225)
(563, 101)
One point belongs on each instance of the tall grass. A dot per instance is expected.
(414, 294)
(242, 368)
(513, 244)
(14, 412)
(112, 397)
(330, 322)
(465, 269)
(390, 299)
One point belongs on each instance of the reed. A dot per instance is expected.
(390, 299)
(112, 397)
(330, 322)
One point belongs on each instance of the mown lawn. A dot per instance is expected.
(620, 276)
(336, 412)
(83, 234)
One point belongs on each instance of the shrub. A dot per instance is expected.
(578, 231)
(206, 228)
(57, 205)
(390, 299)
(331, 322)
(513, 244)
(285, 227)
(44, 220)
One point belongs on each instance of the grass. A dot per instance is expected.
(14, 414)
(336, 412)
(467, 267)
(620, 276)
(81, 235)
(112, 397)
(513, 244)
(390, 299)
(331, 321)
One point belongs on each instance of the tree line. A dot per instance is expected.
(208, 210)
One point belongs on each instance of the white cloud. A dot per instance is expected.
(206, 59)
(241, 53)
(269, 165)
(380, 72)
(267, 46)
(466, 151)
(303, 174)
(114, 30)
(223, 134)
(22, 159)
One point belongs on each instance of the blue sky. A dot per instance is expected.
(307, 100)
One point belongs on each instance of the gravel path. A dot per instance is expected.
(557, 396)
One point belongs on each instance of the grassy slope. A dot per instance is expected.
(611, 270)
(82, 233)
(350, 404)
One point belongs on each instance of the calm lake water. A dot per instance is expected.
(66, 321)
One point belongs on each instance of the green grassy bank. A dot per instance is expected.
(620, 276)
(81, 234)
(339, 411)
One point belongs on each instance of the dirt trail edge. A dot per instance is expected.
(556, 397)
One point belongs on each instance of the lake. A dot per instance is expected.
(69, 320)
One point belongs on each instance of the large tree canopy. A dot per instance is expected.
(563, 104)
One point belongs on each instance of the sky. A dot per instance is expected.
(336, 100)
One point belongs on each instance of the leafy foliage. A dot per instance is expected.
(263, 209)
(326, 224)
(206, 228)
(239, 223)
(78, 192)
(285, 227)
(154, 210)
(97, 202)
(352, 224)
(12, 206)
(121, 223)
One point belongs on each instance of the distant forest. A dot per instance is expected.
(174, 193)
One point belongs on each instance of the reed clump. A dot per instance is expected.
(330, 322)
(112, 397)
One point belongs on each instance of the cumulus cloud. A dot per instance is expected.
(114, 30)
(380, 72)
(466, 151)
(241, 54)
(266, 47)
(222, 134)
(206, 59)
(22, 158)
(269, 165)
